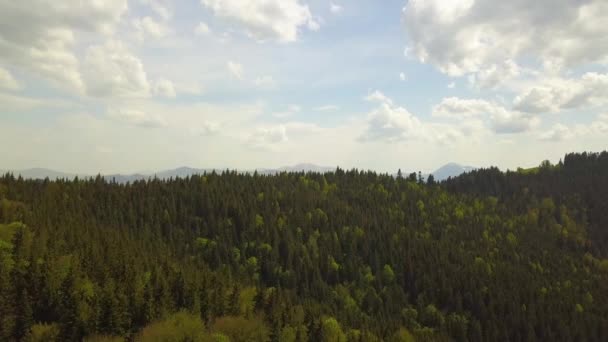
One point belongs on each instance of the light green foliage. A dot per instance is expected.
(512, 239)
(240, 329)
(410, 317)
(388, 274)
(457, 326)
(181, 326)
(333, 265)
(259, 221)
(288, 334)
(44, 333)
(246, 300)
(459, 213)
(8, 230)
(432, 317)
(217, 337)
(331, 331)
(402, 335)
(236, 254)
(103, 338)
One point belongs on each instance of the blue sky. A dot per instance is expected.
(127, 86)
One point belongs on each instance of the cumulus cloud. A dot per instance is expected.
(279, 20)
(326, 108)
(456, 108)
(492, 76)
(7, 81)
(290, 111)
(38, 35)
(490, 38)
(335, 8)
(160, 7)
(149, 27)
(502, 119)
(601, 124)
(202, 29)
(165, 88)
(391, 123)
(402, 76)
(561, 132)
(388, 123)
(268, 137)
(207, 128)
(558, 94)
(112, 70)
(558, 132)
(136, 118)
(235, 69)
(379, 97)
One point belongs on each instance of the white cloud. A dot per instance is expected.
(402, 76)
(558, 132)
(388, 123)
(38, 35)
(379, 97)
(561, 132)
(279, 20)
(483, 36)
(207, 128)
(326, 108)
(601, 124)
(290, 111)
(559, 94)
(235, 69)
(451, 85)
(502, 119)
(391, 123)
(268, 137)
(160, 8)
(494, 75)
(16, 103)
(335, 8)
(202, 29)
(110, 70)
(456, 108)
(136, 118)
(8, 82)
(164, 88)
(148, 27)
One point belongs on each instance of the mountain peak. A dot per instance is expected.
(451, 170)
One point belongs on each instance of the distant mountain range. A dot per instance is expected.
(443, 173)
(182, 172)
(451, 170)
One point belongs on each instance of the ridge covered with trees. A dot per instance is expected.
(340, 256)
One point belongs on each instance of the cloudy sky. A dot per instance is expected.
(138, 85)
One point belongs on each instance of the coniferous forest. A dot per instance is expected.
(342, 256)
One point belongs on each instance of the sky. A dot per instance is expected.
(121, 86)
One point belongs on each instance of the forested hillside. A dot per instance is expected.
(579, 181)
(340, 256)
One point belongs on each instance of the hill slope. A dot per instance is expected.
(317, 256)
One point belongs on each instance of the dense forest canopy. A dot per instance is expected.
(340, 256)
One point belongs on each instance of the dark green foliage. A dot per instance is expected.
(341, 256)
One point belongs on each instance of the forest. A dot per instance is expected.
(342, 256)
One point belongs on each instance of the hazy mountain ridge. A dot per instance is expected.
(442, 173)
(451, 170)
(181, 172)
